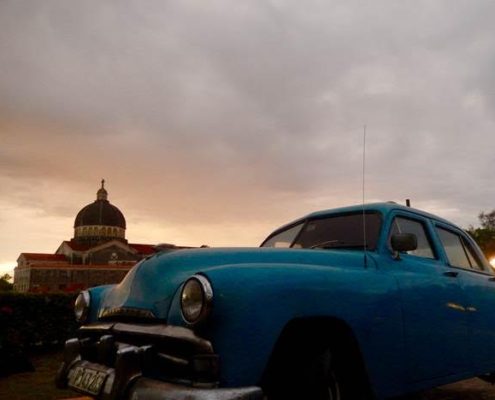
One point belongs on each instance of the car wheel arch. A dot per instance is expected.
(301, 336)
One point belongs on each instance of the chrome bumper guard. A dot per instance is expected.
(157, 362)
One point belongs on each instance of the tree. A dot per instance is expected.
(5, 284)
(485, 235)
(487, 220)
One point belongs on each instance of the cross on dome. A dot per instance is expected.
(102, 194)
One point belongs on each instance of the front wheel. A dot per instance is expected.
(319, 374)
(323, 378)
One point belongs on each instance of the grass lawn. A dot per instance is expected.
(38, 385)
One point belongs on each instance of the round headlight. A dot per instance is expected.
(81, 306)
(196, 299)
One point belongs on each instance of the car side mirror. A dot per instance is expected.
(403, 242)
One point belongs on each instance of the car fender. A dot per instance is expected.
(253, 303)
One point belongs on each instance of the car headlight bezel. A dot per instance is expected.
(82, 306)
(194, 308)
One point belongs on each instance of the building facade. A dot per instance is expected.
(98, 254)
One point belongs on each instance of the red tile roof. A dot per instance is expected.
(77, 246)
(126, 266)
(143, 248)
(140, 248)
(44, 257)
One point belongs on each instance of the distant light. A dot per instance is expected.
(492, 262)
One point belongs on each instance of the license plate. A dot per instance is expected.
(87, 379)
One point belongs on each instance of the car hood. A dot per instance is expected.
(151, 285)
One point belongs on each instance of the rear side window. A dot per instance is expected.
(406, 225)
(459, 252)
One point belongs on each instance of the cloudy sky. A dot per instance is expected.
(215, 122)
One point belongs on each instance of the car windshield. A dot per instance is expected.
(334, 232)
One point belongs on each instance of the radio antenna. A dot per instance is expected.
(365, 245)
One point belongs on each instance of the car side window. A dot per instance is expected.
(285, 238)
(473, 257)
(459, 252)
(406, 225)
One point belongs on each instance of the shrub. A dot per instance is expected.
(5, 283)
(35, 320)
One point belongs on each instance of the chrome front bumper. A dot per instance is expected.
(113, 361)
(148, 389)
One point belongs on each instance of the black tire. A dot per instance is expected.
(322, 378)
(320, 374)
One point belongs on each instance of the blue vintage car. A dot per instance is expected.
(348, 304)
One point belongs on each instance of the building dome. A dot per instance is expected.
(99, 221)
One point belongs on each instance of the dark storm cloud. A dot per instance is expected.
(213, 112)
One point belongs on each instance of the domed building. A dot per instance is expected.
(99, 221)
(98, 253)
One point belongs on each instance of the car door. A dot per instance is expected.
(478, 283)
(432, 298)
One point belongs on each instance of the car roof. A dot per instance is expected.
(384, 208)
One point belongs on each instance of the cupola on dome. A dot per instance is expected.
(99, 221)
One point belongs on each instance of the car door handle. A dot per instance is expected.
(451, 274)
(492, 279)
